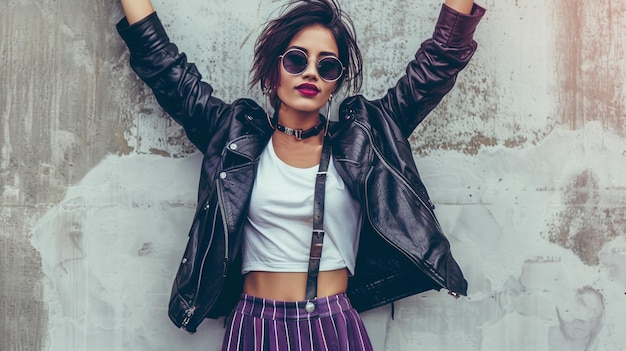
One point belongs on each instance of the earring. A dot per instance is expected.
(329, 103)
(267, 95)
(274, 121)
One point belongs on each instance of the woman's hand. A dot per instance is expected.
(462, 6)
(135, 10)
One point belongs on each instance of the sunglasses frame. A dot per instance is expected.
(317, 64)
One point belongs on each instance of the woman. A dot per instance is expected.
(287, 199)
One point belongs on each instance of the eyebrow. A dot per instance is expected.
(322, 54)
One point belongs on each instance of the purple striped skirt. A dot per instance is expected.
(269, 325)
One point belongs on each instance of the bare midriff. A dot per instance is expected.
(291, 286)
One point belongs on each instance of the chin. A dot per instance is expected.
(303, 107)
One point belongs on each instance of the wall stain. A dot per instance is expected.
(585, 225)
(121, 143)
(589, 63)
(163, 153)
(515, 141)
(467, 143)
(23, 317)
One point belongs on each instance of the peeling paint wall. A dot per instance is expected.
(524, 160)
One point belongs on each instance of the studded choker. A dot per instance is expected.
(300, 134)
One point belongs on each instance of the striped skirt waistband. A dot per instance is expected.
(287, 310)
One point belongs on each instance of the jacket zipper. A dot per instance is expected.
(189, 313)
(192, 309)
(221, 202)
(406, 184)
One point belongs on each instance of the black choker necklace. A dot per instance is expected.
(300, 134)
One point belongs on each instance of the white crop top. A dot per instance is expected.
(278, 230)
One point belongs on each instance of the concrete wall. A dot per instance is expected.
(524, 159)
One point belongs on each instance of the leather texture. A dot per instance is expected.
(402, 251)
(317, 237)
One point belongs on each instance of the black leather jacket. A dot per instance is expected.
(402, 248)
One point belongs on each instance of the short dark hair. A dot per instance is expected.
(296, 15)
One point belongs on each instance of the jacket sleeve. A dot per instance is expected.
(176, 84)
(431, 75)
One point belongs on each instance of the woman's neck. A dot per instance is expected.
(298, 119)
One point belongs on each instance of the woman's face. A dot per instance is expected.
(307, 91)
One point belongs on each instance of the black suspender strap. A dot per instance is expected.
(318, 226)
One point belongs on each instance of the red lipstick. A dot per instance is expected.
(308, 89)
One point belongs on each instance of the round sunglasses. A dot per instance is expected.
(295, 61)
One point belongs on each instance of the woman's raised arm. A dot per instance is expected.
(462, 6)
(437, 63)
(135, 10)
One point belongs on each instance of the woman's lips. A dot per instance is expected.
(308, 89)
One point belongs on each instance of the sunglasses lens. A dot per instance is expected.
(329, 68)
(295, 61)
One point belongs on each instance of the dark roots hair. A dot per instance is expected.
(296, 15)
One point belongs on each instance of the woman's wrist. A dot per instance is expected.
(136, 10)
(462, 6)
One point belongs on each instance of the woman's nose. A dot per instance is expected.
(311, 69)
